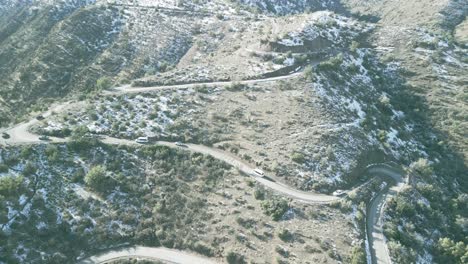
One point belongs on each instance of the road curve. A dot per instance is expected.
(155, 253)
(20, 133)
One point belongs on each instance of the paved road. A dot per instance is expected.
(159, 253)
(130, 89)
(374, 221)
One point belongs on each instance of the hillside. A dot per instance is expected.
(269, 131)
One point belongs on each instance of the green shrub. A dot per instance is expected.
(10, 185)
(285, 86)
(52, 152)
(358, 256)
(285, 235)
(103, 83)
(235, 258)
(3, 168)
(203, 249)
(450, 251)
(331, 64)
(259, 193)
(309, 73)
(298, 157)
(245, 223)
(98, 179)
(422, 167)
(282, 251)
(382, 135)
(235, 87)
(354, 46)
(275, 208)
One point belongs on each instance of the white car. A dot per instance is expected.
(259, 172)
(179, 144)
(142, 140)
(339, 193)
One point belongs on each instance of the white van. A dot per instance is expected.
(339, 193)
(142, 140)
(259, 172)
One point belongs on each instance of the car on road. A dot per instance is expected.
(179, 144)
(259, 172)
(339, 193)
(5, 135)
(142, 140)
(40, 117)
(44, 138)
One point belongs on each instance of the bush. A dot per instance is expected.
(285, 235)
(282, 251)
(3, 168)
(358, 256)
(235, 86)
(285, 86)
(98, 179)
(451, 251)
(309, 73)
(259, 193)
(52, 153)
(29, 169)
(235, 258)
(203, 249)
(298, 157)
(331, 64)
(423, 167)
(103, 84)
(401, 254)
(10, 185)
(275, 208)
(354, 46)
(382, 135)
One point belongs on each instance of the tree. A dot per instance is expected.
(451, 251)
(98, 179)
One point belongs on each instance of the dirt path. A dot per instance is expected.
(155, 253)
(130, 89)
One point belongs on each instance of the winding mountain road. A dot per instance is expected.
(19, 134)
